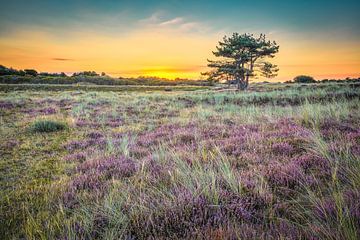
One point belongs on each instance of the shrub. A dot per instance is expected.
(304, 79)
(48, 126)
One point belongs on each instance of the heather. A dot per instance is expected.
(273, 162)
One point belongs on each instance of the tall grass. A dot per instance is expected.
(177, 180)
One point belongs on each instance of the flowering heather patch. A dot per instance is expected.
(41, 111)
(347, 205)
(353, 140)
(113, 167)
(196, 215)
(10, 144)
(6, 105)
(84, 144)
(95, 135)
(232, 146)
(139, 151)
(351, 199)
(155, 137)
(64, 103)
(47, 111)
(288, 175)
(76, 145)
(285, 230)
(309, 162)
(287, 128)
(172, 166)
(330, 127)
(86, 123)
(113, 121)
(192, 215)
(282, 148)
(76, 157)
(94, 176)
(158, 173)
(193, 134)
(89, 182)
(354, 136)
(180, 220)
(355, 150)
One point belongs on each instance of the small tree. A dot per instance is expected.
(241, 56)
(31, 72)
(304, 79)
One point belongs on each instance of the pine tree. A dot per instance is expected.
(241, 56)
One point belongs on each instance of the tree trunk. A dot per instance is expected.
(238, 82)
(243, 85)
(241, 79)
(249, 72)
(237, 76)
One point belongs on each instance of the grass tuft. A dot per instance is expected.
(46, 126)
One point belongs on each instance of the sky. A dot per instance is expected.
(174, 38)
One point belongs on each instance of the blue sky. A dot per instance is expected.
(305, 16)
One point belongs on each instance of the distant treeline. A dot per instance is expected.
(31, 76)
(309, 79)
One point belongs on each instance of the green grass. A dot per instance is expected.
(34, 173)
(46, 126)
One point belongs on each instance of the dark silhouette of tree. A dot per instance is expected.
(241, 56)
(304, 79)
(86, 73)
(31, 72)
(10, 71)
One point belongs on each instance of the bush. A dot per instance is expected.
(48, 126)
(304, 79)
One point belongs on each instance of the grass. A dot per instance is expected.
(45, 126)
(277, 162)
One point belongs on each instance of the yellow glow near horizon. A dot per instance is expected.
(164, 53)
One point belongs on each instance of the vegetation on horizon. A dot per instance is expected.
(31, 76)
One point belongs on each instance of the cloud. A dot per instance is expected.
(174, 21)
(153, 19)
(62, 59)
(159, 20)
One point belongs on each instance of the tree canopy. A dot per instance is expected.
(304, 79)
(242, 56)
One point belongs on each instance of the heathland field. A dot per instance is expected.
(275, 162)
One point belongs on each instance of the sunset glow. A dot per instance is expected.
(167, 43)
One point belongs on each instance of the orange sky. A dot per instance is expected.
(174, 38)
(167, 49)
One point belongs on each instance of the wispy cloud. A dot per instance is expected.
(173, 22)
(62, 59)
(159, 20)
(152, 19)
